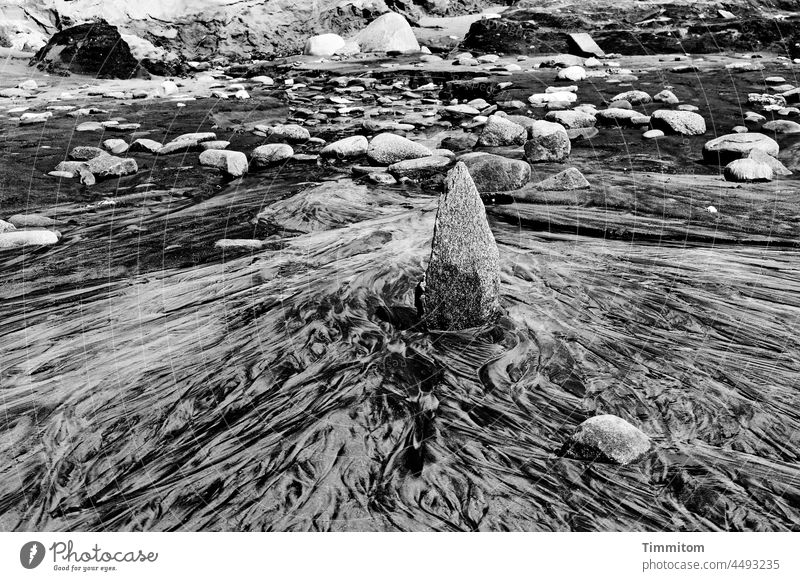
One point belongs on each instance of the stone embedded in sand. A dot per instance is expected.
(89, 126)
(781, 126)
(608, 438)
(323, 45)
(6, 226)
(85, 153)
(239, 244)
(17, 238)
(621, 117)
(354, 146)
(500, 131)
(582, 133)
(747, 170)
(653, 134)
(169, 88)
(271, 153)
(421, 167)
(494, 173)
(388, 33)
(567, 180)
(574, 73)
(548, 142)
(633, 97)
(388, 148)
(571, 119)
(462, 282)
(107, 166)
(667, 97)
(680, 122)
(233, 163)
(148, 145)
(777, 167)
(727, 148)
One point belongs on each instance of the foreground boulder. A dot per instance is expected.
(388, 33)
(680, 122)
(548, 142)
(461, 288)
(233, 163)
(388, 148)
(494, 173)
(728, 148)
(94, 48)
(608, 438)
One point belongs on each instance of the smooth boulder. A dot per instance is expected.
(678, 122)
(494, 173)
(271, 153)
(233, 163)
(354, 146)
(389, 32)
(388, 148)
(728, 148)
(324, 45)
(748, 170)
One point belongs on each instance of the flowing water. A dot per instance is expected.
(151, 382)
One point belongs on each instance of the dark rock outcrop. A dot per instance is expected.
(462, 283)
(94, 48)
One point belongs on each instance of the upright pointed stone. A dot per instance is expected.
(462, 284)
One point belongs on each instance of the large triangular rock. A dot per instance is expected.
(462, 284)
(581, 44)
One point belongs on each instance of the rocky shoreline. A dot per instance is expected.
(273, 220)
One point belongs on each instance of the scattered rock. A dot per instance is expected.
(574, 73)
(17, 238)
(608, 438)
(85, 153)
(94, 48)
(621, 117)
(747, 170)
(116, 146)
(667, 97)
(324, 45)
(108, 166)
(271, 153)
(500, 131)
(567, 180)
(147, 145)
(388, 148)
(494, 173)
(388, 33)
(727, 148)
(680, 122)
(548, 142)
(291, 132)
(354, 146)
(634, 97)
(461, 288)
(653, 134)
(420, 168)
(233, 163)
(777, 167)
(781, 126)
(571, 119)
(32, 221)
